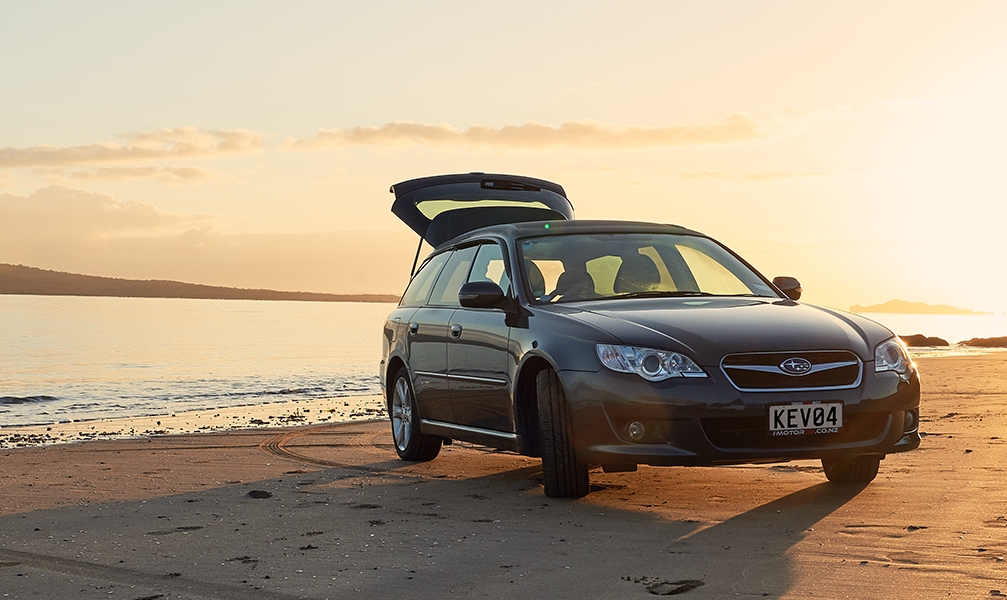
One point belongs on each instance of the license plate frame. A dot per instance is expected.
(805, 418)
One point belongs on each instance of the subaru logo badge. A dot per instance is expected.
(796, 366)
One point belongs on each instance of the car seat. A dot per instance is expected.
(575, 284)
(536, 281)
(636, 274)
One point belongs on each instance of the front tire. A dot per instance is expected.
(410, 444)
(858, 469)
(564, 474)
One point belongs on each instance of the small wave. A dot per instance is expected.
(288, 391)
(26, 399)
(339, 388)
(304, 391)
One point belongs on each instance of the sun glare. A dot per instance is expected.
(955, 195)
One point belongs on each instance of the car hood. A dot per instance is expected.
(709, 328)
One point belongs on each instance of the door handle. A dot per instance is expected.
(456, 331)
(414, 327)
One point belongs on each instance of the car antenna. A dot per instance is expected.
(416, 259)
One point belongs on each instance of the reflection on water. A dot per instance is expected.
(952, 328)
(74, 358)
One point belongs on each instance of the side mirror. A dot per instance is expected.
(481, 294)
(789, 286)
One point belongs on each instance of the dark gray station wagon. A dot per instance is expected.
(617, 344)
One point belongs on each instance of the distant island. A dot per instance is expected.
(18, 279)
(913, 308)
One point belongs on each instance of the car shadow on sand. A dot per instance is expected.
(472, 523)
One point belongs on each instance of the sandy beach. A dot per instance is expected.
(325, 510)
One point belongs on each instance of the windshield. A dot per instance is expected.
(570, 268)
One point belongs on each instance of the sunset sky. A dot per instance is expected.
(859, 146)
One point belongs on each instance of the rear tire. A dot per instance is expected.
(410, 444)
(858, 469)
(564, 474)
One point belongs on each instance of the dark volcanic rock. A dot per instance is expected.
(997, 342)
(919, 339)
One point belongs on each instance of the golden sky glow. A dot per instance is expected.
(857, 146)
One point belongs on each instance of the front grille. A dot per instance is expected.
(758, 372)
(752, 433)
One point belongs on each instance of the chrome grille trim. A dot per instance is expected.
(794, 378)
(777, 370)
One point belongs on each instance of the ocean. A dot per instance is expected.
(66, 358)
(70, 358)
(951, 328)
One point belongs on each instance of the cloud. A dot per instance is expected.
(733, 129)
(583, 134)
(166, 143)
(130, 173)
(61, 216)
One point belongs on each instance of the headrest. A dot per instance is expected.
(637, 274)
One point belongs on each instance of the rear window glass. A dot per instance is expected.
(419, 288)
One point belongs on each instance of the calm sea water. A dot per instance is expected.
(951, 328)
(68, 358)
(64, 358)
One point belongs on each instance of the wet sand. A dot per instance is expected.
(326, 511)
(275, 414)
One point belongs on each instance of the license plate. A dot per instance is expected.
(804, 418)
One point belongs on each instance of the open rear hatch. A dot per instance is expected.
(442, 207)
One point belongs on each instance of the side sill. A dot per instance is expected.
(486, 437)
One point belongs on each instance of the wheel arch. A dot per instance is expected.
(526, 404)
(394, 364)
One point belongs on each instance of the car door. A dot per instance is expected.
(427, 334)
(430, 339)
(478, 359)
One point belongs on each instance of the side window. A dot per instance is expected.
(452, 277)
(489, 266)
(419, 288)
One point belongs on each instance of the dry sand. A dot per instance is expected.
(326, 511)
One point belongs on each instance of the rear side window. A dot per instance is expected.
(489, 266)
(419, 288)
(452, 277)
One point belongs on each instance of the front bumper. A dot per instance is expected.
(708, 422)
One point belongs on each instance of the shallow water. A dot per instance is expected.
(64, 357)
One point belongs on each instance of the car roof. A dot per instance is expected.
(549, 228)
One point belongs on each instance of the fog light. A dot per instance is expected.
(636, 431)
(912, 421)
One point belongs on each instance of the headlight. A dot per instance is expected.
(652, 365)
(891, 355)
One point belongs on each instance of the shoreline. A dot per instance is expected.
(284, 413)
(341, 409)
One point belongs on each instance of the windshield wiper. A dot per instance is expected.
(661, 294)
